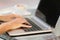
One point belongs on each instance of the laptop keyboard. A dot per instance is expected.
(34, 26)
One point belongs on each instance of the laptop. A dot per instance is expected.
(38, 27)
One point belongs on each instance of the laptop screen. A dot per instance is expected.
(47, 11)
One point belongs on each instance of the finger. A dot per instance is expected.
(26, 26)
(26, 23)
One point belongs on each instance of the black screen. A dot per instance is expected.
(51, 10)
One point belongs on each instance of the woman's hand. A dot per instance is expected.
(18, 23)
(13, 23)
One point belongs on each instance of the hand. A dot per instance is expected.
(11, 23)
(18, 23)
(15, 21)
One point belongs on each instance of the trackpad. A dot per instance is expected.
(16, 32)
